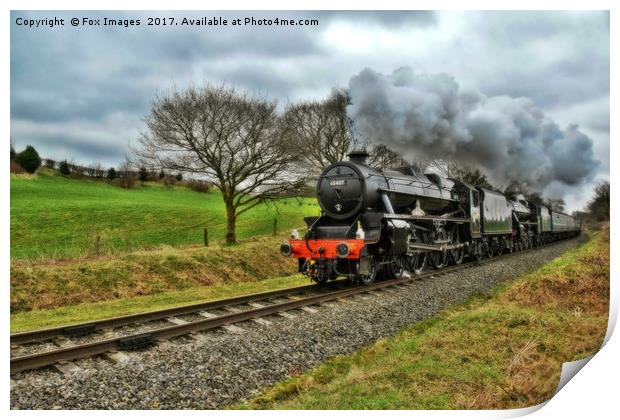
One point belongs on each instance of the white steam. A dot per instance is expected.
(429, 117)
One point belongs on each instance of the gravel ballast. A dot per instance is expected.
(218, 368)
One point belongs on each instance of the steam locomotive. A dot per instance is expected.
(394, 221)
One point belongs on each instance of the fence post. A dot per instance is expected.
(98, 245)
(275, 226)
(206, 237)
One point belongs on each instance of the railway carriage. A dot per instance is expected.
(401, 220)
(563, 224)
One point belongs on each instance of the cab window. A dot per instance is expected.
(475, 198)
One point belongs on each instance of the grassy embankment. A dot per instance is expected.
(503, 350)
(148, 273)
(54, 221)
(65, 315)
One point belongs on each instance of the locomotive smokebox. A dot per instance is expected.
(358, 156)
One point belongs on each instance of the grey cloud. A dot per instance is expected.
(67, 77)
(84, 147)
(502, 28)
(100, 152)
(259, 80)
(388, 18)
(553, 58)
(599, 121)
(565, 82)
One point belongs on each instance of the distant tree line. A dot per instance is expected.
(125, 176)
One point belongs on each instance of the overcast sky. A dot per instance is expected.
(81, 93)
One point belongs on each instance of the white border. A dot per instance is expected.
(593, 393)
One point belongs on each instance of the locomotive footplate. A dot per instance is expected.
(427, 218)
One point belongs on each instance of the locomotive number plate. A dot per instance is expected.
(337, 182)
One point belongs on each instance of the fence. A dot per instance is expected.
(125, 239)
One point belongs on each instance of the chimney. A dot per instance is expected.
(358, 156)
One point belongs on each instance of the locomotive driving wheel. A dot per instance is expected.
(439, 259)
(476, 251)
(416, 263)
(373, 268)
(500, 247)
(397, 268)
(457, 254)
(490, 249)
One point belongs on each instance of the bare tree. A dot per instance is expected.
(50, 163)
(235, 140)
(91, 171)
(383, 157)
(556, 204)
(126, 174)
(599, 205)
(99, 171)
(320, 131)
(441, 167)
(449, 169)
(13, 152)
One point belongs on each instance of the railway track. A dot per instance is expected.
(261, 306)
(82, 329)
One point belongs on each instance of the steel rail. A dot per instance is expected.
(131, 342)
(38, 360)
(85, 328)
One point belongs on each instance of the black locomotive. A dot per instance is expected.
(403, 220)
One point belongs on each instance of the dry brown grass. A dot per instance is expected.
(44, 285)
(578, 283)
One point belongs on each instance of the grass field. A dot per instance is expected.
(55, 217)
(503, 350)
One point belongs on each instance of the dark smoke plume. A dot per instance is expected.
(429, 117)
